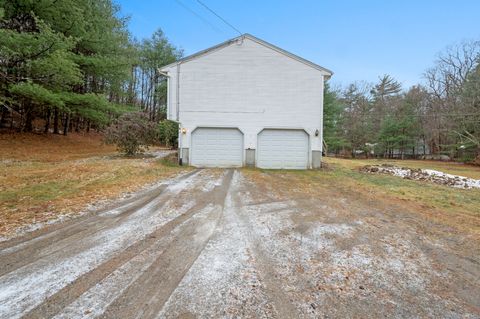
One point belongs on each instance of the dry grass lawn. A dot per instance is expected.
(43, 176)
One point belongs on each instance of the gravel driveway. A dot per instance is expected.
(216, 243)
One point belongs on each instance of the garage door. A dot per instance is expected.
(217, 147)
(282, 149)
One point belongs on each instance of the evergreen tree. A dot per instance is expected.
(73, 61)
(333, 121)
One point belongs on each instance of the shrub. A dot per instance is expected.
(167, 131)
(131, 132)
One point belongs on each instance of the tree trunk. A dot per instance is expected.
(4, 115)
(55, 122)
(47, 121)
(66, 123)
(424, 147)
(77, 125)
(28, 120)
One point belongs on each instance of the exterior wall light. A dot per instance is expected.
(184, 130)
(317, 132)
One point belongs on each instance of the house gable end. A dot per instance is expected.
(238, 40)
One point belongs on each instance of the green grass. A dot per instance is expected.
(427, 193)
(168, 163)
(41, 192)
(170, 160)
(447, 167)
(345, 176)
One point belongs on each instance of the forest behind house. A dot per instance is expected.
(72, 65)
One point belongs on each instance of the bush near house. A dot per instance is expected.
(167, 131)
(132, 133)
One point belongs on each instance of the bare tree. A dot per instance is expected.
(445, 82)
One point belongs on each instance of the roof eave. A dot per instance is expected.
(326, 72)
(202, 52)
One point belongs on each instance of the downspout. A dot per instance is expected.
(180, 156)
(180, 137)
(169, 100)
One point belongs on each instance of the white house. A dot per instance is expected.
(247, 102)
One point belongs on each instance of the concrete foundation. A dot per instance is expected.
(316, 159)
(250, 157)
(185, 159)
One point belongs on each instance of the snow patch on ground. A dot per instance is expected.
(430, 175)
(95, 301)
(223, 280)
(460, 181)
(211, 184)
(161, 153)
(181, 185)
(399, 267)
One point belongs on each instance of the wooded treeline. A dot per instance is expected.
(440, 117)
(72, 65)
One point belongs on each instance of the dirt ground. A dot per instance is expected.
(244, 243)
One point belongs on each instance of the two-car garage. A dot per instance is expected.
(246, 102)
(224, 147)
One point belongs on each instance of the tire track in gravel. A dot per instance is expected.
(55, 242)
(43, 236)
(224, 280)
(147, 295)
(55, 303)
(45, 233)
(264, 263)
(27, 287)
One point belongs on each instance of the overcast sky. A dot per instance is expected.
(358, 40)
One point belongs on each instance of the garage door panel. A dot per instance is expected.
(217, 147)
(282, 148)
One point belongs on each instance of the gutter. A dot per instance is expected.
(180, 153)
(165, 74)
(180, 137)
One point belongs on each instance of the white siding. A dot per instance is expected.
(248, 86)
